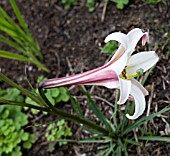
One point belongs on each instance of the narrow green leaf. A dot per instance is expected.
(89, 140)
(91, 131)
(154, 138)
(19, 16)
(8, 31)
(144, 119)
(10, 55)
(108, 151)
(12, 26)
(125, 120)
(120, 143)
(37, 62)
(12, 44)
(102, 147)
(147, 75)
(130, 141)
(104, 152)
(76, 106)
(96, 111)
(5, 23)
(12, 34)
(22, 104)
(125, 150)
(6, 16)
(114, 115)
(21, 37)
(118, 151)
(25, 42)
(13, 30)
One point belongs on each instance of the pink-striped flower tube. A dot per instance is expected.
(119, 72)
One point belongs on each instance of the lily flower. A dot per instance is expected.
(119, 72)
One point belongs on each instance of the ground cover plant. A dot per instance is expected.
(109, 127)
(12, 120)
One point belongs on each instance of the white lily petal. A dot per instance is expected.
(140, 103)
(118, 65)
(144, 60)
(119, 37)
(134, 37)
(125, 88)
(136, 83)
(117, 55)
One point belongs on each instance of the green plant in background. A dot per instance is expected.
(12, 120)
(90, 5)
(68, 3)
(57, 131)
(120, 3)
(110, 48)
(19, 38)
(55, 95)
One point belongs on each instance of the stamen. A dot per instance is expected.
(124, 75)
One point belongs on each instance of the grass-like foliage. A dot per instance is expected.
(18, 36)
(152, 1)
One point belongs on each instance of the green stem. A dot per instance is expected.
(58, 112)
(22, 104)
(41, 92)
(114, 115)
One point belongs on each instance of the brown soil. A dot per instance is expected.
(76, 36)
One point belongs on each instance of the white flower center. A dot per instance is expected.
(125, 75)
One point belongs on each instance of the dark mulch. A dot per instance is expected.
(75, 37)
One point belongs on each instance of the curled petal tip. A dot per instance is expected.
(145, 38)
(131, 117)
(119, 102)
(119, 37)
(146, 93)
